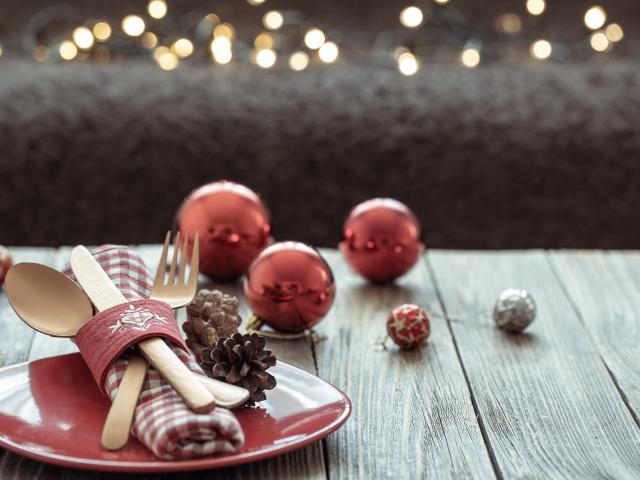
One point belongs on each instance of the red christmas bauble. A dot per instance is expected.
(233, 223)
(381, 239)
(408, 326)
(5, 263)
(290, 286)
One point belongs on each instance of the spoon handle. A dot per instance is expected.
(115, 432)
(104, 294)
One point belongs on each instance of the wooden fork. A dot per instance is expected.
(177, 292)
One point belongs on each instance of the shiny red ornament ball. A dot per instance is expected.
(290, 286)
(5, 263)
(233, 223)
(381, 239)
(408, 326)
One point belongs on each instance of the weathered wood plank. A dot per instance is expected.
(412, 412)
(547, 403)
(16, 336)
(285, 467)
(605, 291)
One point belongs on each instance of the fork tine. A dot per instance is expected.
(159, 279)
(183, 259)
(174, 261)
(195, 260)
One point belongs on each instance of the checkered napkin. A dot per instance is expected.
(162, 420)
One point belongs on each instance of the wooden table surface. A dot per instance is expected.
(559, 401)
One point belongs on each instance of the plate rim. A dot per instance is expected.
(167, 466)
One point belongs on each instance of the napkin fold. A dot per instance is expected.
(162, 421)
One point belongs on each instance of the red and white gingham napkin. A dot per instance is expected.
(162, 420)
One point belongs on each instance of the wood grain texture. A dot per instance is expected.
(16, 336)
(284, 467)
(412, 412)
(605, 291)
(545, 398)
(547, 404)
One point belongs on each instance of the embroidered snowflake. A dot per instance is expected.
(138, 318)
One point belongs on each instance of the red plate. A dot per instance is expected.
(51, 411)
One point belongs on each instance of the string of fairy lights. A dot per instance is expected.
(600, 35)
(288, 39)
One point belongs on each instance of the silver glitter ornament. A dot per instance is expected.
(514, 310)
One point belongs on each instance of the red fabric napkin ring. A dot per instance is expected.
(107, 335)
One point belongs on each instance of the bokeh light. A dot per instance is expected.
(273, 20)
(183, 47)
(157, 8)
(314, 38)
(264, 40)
(408, 64)
(133, 25)
(298, 61)
(541, 49)
(614, 32)
(509, 23)
(411, 17)
(102, 31)
(595, 17)
(167, 60)
(149, 40)
(328, 52)
(536, 7)
(599, 42)
(223, 30)
(470, 57)
(83, 38)
(68, 50)
(266, 58)
(221, 50)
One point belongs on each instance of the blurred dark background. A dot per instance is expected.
(517, 152)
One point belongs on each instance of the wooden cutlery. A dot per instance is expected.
(53, 304)
(104, 294)
(117, 425)
(47, 300)
(179, 292)
(176, 290)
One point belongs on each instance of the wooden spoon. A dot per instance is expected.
(53, 304)
(47, 300)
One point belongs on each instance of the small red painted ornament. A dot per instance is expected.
(408, 326)
(290, 287)
(233, 223)
(5, 263)
(381, 239)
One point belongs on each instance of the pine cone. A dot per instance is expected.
(212, 315)
(242, 360)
